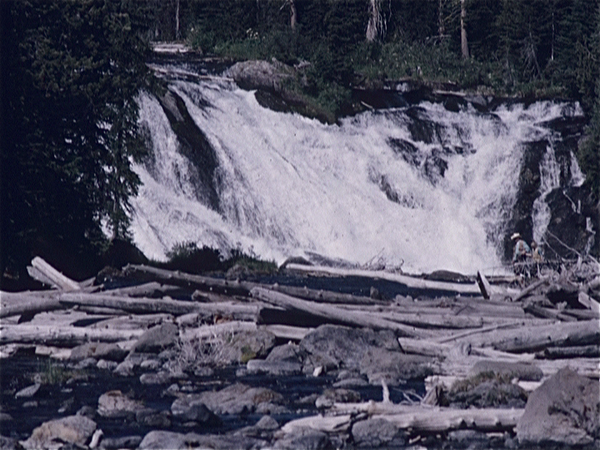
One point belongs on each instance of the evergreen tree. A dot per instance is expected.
(70, 73)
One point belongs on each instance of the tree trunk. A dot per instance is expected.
(377, 23)
(62, 336)
(337, 314)
(293, 14)
(464, 45)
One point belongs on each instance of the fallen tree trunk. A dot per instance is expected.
(20, 304)
(531, 339)
(411, 282)
(175, 307)
(49, 273)
(62, 336)
(332, 313)
(417, 419)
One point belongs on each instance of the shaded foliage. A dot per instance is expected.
(70, 73)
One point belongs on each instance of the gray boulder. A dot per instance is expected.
(304, 439)
(522, 371)
(163, 440)
(72, 429)
(394, 367)
(276, 368)
(252, 75)
(121, 442)
(334, 346)
(564, 410)
(190, 409)
(98, 350)
(238, 398)
(157, 338)
(115, 404)
(373, 433)
(246, 346)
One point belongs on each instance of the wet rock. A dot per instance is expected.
(151, 418)
(191, 408)
(72, 429)
(249, 345)
(98, 350)
(333, 346)
(286, 352)
(103, 364)
(275, 368)
(157, 338)
(150, 364)
(373, 433)
(115, 404)
(393, 366)
(121, 442)
(161, 377)
(564, 410)
(304, 439)
(486, 390)
(238, 398)
(29, 391)
(331, 396)
(522, 371)
(471, 439)
(7, 443)
(163, 440)
(251, 75)
(267, 423)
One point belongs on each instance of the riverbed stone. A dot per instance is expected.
(287, 352)
(52, 434)
(98, 350)
(115, 404)
(191, 408)
(373, 433)
(522, 371)
(160, 440)
(334, 346)
(564, 410)
(28, 391)
(394, 367)
(304, 439)
(238, 398)
(158, 338)
(248, 345)
(120, 442)
(275, 368)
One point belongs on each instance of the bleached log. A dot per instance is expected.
(175, 307)
(227, 287)
(57, 278)
(328, 424)
(586, 351)
(207, 331)
(331, 312)
(484, 285)
(16, 304)
(287, 331)
(537, 338)
(532, 287)
(152, 289)
(481, 331)
(419, 419)
(548, 313)
(411, 282)
(588, 302)
(429, 348)
(62, 336)
(133, 321)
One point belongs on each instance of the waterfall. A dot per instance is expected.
(419, 187)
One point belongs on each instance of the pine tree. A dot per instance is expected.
(71, 72)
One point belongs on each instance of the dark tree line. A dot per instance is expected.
(71, 70)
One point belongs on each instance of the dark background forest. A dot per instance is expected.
(71, 71)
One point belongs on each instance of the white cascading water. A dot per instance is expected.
(292, 186)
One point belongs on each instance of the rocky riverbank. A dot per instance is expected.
(176, 360)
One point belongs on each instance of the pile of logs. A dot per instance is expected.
(552, 323)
